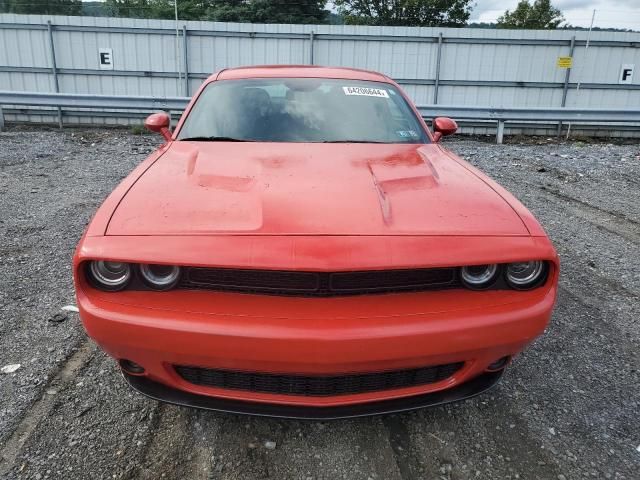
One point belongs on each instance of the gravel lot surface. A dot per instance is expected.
(569, 407)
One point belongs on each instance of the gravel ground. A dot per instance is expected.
(567, 408)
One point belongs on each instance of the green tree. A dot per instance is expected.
(229, 11)
(187, 9)
(47, 7)
(130, 8)
(422, 13)
(163, 9)
(269, 11)
(540, 15)
(255, 11)
(288, 11)
(94, 8)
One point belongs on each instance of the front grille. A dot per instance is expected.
(316, 386)
(319, 284)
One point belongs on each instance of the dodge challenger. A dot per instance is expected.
(303, 245)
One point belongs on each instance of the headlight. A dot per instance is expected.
(478, 277)
(110, 276)
(523, 275)
(160, 277)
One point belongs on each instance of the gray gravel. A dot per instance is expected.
(568, 408)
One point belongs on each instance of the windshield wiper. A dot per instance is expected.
(215, 139)
(352, 141)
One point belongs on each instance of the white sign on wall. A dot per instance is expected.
(626, 74)
(105, 58)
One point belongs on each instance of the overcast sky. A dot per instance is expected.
(609, 13)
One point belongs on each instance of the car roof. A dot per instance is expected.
(300, 71)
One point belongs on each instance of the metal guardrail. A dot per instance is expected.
(122, 102)
(500, 115)
(518, 114)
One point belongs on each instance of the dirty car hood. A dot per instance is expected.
(204, 188)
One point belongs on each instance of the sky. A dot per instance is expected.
(609, 14)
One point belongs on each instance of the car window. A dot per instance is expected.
(302, 110)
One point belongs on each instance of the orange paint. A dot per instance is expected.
(312, 207)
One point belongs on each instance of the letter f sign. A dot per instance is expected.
(626, 74)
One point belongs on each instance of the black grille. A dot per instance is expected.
(321, 284)
(316, 386)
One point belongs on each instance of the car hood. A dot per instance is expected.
(205, 188)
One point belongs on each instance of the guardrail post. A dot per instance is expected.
(500, 132)
(1, 119)
(311, 38)
(54, 68)
(567, 74)
(185, 54)
(437, 79)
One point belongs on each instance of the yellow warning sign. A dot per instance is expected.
(565, 62)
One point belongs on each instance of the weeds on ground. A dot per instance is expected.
(137, 129)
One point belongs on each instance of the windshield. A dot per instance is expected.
(302, 110)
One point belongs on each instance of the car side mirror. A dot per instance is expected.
(159, 123)
(443, 126)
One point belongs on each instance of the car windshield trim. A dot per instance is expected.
(213, 138)
(353, 141)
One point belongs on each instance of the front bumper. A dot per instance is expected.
(255, 333)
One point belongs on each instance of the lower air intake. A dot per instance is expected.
(313, 385)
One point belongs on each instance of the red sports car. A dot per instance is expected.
(302, 246)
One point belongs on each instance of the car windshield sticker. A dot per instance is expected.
(366, 91)
(407, 133)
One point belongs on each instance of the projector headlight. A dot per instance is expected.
(110, 276)
(525, 275)
(160, 277)
(479, 277)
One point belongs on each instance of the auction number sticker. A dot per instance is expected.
(366, 91)
(407, 133)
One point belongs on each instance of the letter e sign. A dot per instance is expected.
(626, 74)
(105, 58)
